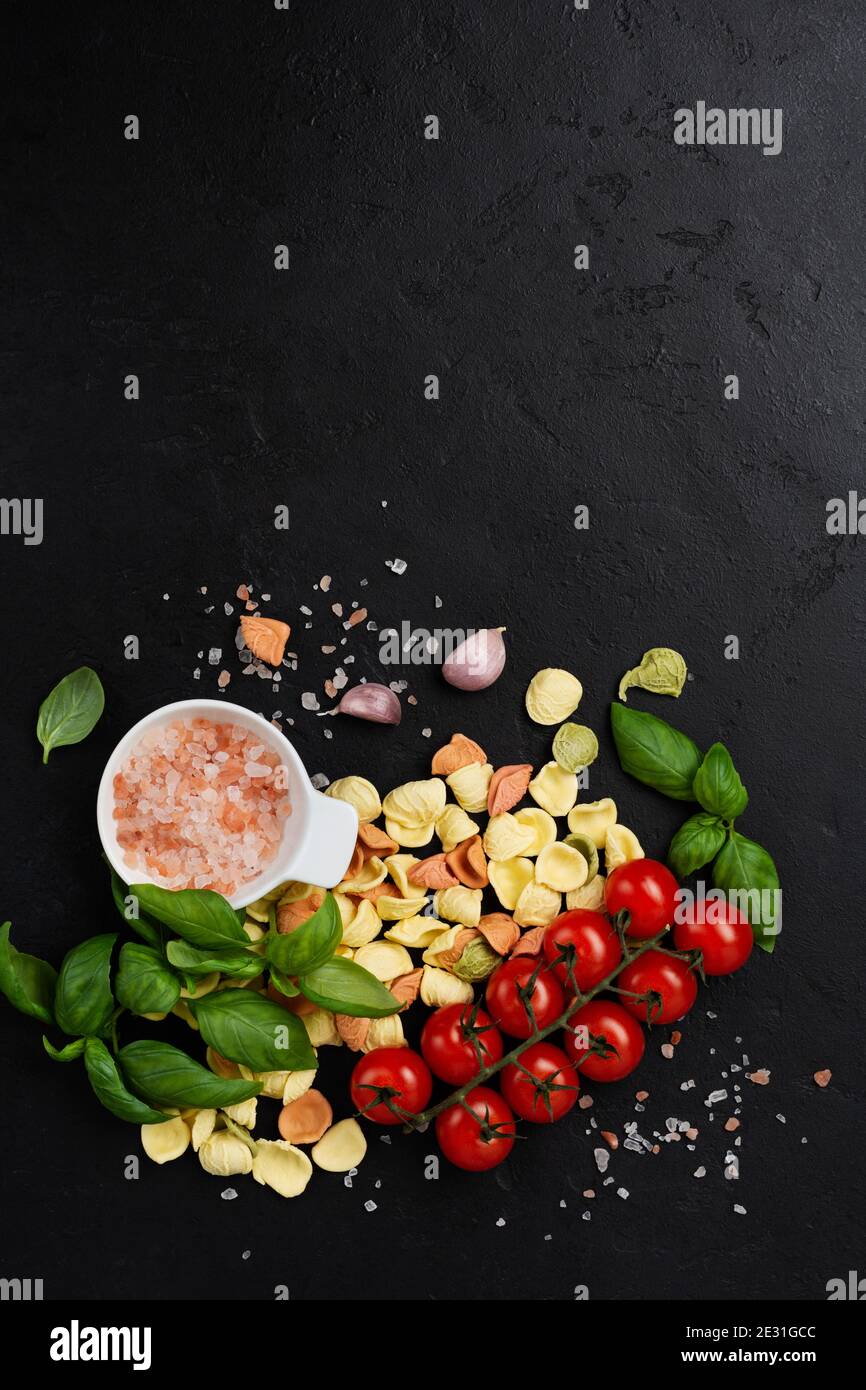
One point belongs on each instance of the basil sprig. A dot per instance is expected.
(83, 1001)
(163, 1075)
(253, 1031)
(309, 945)
(198, 915)
(144, 983)
(27, 981)
(193, 960)
(109, 1088)
(664, 758)
(70, 710)
(346, 988)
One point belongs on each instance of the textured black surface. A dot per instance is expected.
(558, 388)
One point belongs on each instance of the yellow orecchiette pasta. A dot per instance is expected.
(506, 838)
(203, 1127)
(244, 1113)
(224, 1154)
(537, 906)
(384, 959)
(365, 925)
(439, 987)
(590, 896)
(272, 1082)
(444, 942)
(454, 826)
(294, 892)
(359, 793)
(620, 846)
(409, 837)
(554, 789)
(459, 905)
(345, 907)
(167, 1141)
(384, 1032)
(552, 695)
(542, 825)
(297, 1084)
(415, 804)
(469, 785)
(560, 867)
(593, 818)
(321, 1028)
(509, 878)
(340, 1148)
(392, 909)
(398, 868)
(416, 932)
(282, 1167)
(370, 875)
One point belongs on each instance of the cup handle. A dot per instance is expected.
(329, 843)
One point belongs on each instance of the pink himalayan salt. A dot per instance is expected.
(200, 805)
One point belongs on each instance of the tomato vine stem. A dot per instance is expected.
(458, 1097)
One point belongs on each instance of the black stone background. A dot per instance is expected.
(558, 388)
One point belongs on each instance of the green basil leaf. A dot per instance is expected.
(655, 752)
(70, 710)
(696, 842)
(241, 965)
(109, 1089)
(254, 1031)
(717, 784)
(164, 1075)
(144, 984)
(64, 1054)
(201, 917)
(346, 988)
(128, 906)
(27, 981)
(83, 1002)
(309, 945)
(748, 876)
(283, 984)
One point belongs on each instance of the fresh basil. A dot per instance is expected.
(27, 981)
(717, 784)
(63, 1054)
(109, 1089)
(254, 1031)
(283, 984)
(192, 960)
(144, 984)
(309, 945)
(346, 988)
(748, 876)
(201, 917)
(83, 1002)
(696, 842)
(70, 710)
(128, 906)
(654, 752)
(164, 1075)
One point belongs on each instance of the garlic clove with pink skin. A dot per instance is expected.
(478, 661)
(374, 702)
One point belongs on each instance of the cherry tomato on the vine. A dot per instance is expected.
(622, 1035)
(657, 973)
(596, 948)
(721, 933)
(479, 1137)
(400, 1075)
(548, 1092)
(504, 1001)
(647, 891)
(448, 1047)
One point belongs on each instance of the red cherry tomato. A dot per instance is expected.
(400, 1074)
(447, 1043)
(506, 1005)
(669, 978)
(721, 933)
(647, 891)
(623, 1036)
(596, 948)
(479, 1140)
(550, 1091)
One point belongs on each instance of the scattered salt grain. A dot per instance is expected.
(623, 1193)
(425, 733)
(760, 1077)
(700, 1172)
(667, 1051)
(781, 1119)
(320, 781)
(228, 1194)
(714, 1097)
(602, 1159)
(437, 601)
(370, 1205)
(337, 610)
(214, 655)
(501, 1221)
(731, 1125)
(309, 700)
(396, 566)
(228, 610)
(732, 1166)
(741, 1211)
(822, 1078)
(223, 679)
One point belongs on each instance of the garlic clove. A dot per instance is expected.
(477, 662)
(374, 702)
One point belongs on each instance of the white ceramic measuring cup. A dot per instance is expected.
(318, 837)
